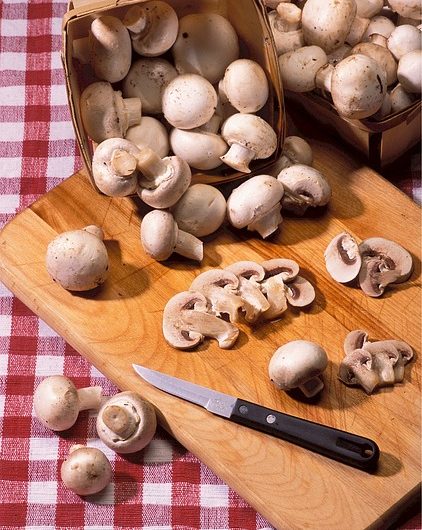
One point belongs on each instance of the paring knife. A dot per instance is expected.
(343, 446)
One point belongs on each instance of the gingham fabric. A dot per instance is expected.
(162, 487)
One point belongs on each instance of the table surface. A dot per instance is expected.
(162, 487)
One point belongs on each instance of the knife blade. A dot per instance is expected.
(343, 446)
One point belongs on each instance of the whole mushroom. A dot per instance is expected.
(298, 364)
(299, 67)
(407, 8)
(296, 150)
(409, 71)
(57, 401)
(77, 259)
(126, 422)
(86, 470)
(150, 132)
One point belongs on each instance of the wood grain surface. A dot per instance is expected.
(120, 323)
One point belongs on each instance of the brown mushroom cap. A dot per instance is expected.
(126, 422)
(342, 258)
(298, 364)
(357, 369)
(86, 470)
(186, 321)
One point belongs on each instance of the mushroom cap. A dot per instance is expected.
(404, 39)
(296, 150)
(153, 26)
(252, 132)
(56, 402)
(368, 8)
(378, 25)
(245, 85)
(252, 199)
(150, 133)
(358, 86)
(77, 260)
(288, 269)
(110, 47)
(400, 99)
(384, 358)
(146, 80)
(200, 149)
(305, 184)
(189, 101)
(247, 269)
(296, 362)
(342, 258)
(382, 55)
(126, 423)
(407, 8)
(106, 177)
(409, 71)
(201, 210)
(86, 470)
(169, 186)
(159, 234)
(300, 292)
(299, 67)
(284, 40)
(206, 44)
(357, 369)
(327, 24)
(186, 322)
(355, 340)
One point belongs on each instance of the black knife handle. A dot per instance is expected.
(343, 446)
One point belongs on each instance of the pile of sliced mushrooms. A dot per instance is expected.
(364, 56)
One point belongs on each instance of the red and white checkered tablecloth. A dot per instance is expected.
(162, 487)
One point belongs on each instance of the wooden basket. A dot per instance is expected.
(248, 18)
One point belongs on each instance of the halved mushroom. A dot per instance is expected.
(357, 369)
(355, 340)
(383, 262)
(220, 287)
(186, 321)
(304, 186)
(405, 355)
(342, 258)
(384, 358)
(300, 292)
(288, 269)
(250, 274)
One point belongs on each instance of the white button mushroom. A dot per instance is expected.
(284, 23)
(400, 99)
(409, 71)
(369, 8)
(186, 322)
(298, 68)
(250, 138)
(57, 402)
(201, 210)
(200, 149)
(206, 44)
(407, 8)
(150, 133)
(296, 150)
(153, 27)
(146, 80)
(77, 260)
(160, 237)
(246, 86)
(86, 470)
(342, 258)
(379, 25)
(255, 204)
(126, 422)
(189, 101)
(105, 114)
(404, 39)
(298, 364)
(278, 273)
(382, 55)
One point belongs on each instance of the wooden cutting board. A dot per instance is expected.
(120, 324)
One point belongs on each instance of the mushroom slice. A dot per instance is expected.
(249, 274)
(383, 262)
(220, 287)
(405, 355)
(304, 186)
(342, 258)
(384, 358)
(287, 268)
(357, 369)
(355, 340)
(186, 322)
(277, 272)
(300, 292)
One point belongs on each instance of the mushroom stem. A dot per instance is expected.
(123, 163)
(150, 164)
(90, 397)
(120, 421)
(137, 21)
(189, 246)
(311, 387)
(132, 108)
(268, 223)
(238, 157)
(210, 326)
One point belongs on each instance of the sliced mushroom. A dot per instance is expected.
(186, 321)
(405, 356)
(300, 292)
(278, 272)
(342, 258)
(250, 274)
(220, 287)
(357, 369)
(288, 269)
(355, 340)
(383, 262)
(304, 186)
(384, 359)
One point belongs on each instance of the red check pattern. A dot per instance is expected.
(163, 487)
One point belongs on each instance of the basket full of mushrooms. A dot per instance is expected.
(172, 79)
(355, 66)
